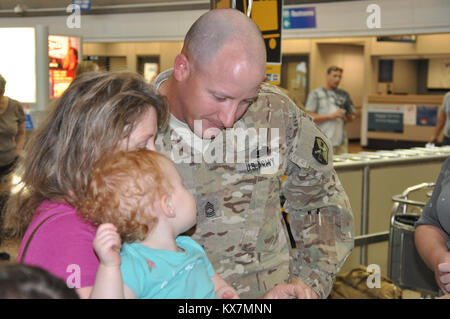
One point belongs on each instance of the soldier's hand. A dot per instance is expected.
(297, 289)
(285, 291)
(308, 290)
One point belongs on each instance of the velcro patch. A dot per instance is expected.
(320, 151)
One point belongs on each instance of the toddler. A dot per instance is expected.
(138, 198)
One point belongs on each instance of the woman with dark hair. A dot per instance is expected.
(100, 113)
(12, 139)
(12, 130)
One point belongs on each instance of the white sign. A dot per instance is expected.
(409, 115)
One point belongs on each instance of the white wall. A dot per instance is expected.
(342, 19)
(397, 17)
(157, 26)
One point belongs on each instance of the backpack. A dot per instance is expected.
(354, 285)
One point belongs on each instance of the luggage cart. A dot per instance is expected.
(406, 267)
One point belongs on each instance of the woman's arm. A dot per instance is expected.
(431, 243)
(442, 117)
(20, 138)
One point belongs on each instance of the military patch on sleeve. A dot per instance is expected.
(208, 208)
(320, 151)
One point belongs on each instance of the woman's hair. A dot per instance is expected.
(96, 112)
(19, 281)
(86, 66)
(123, 190)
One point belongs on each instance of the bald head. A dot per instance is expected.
(221, 29)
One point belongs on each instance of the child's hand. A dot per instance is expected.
(107, 245)
(227, 293)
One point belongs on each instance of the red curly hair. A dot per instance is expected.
(123, 190)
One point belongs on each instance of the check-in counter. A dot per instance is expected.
(370, 180)
(396, 120)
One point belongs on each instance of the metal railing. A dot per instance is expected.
(368, 160)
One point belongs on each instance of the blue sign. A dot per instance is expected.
(84, 4)
(299, 18)
(28, 123)
(426, 115)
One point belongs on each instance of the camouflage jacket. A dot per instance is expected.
(240, 225)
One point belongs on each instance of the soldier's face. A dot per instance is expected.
(219, 94)
(181, 200)
(334, 78)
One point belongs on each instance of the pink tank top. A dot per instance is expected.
(62, 245)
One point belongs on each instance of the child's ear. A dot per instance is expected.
(167, 206)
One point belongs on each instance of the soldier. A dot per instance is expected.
(216, 96)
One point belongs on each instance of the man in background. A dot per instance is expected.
(331, 108)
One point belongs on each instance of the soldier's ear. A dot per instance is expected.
(166, 205)
(181, 67)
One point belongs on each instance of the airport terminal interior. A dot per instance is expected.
(395, 61)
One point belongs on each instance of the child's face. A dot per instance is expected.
(183, 202)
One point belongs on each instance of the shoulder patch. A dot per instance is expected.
(320, 151)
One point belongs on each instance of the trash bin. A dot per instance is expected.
(406, 267)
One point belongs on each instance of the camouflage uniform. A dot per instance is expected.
(239, 220)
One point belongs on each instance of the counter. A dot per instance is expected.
(403, 118)
(370, 180)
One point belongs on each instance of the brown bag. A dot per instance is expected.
(353, 285)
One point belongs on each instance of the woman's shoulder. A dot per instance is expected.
(58, 239)
(61, 217)
(14, 104)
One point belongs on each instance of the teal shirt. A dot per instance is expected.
(164, 274)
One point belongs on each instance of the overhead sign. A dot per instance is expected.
(299, 18)
(28, 122)
(84, 4)
(267, 14)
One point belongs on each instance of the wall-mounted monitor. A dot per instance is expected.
(63, 56)
(385, 71)
(18, 63)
